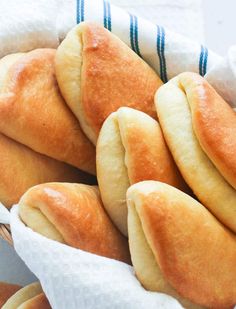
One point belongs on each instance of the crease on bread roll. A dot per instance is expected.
(73, 214)
(38, 302)
(23, 295)
(131, 148)
(22, 168)
(33, 112)
(97, 73)
(6, 291)
(199, 172)
(214, 123)
(179, 248)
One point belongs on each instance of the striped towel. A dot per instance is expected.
(45, 23)
(168, 53)
(182, 16)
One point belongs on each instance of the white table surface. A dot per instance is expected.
(220, 21)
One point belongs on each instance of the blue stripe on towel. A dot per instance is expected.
(161, 52)
(134, 34)
(131, 32)
(80, 11)
(203, 61)
(107, 15)
(206, 61)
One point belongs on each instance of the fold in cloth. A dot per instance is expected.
(74, 279)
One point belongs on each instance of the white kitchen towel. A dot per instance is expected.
(4, 215)
(75, 279)
(222, 77)
(182, 16)
(27, 24)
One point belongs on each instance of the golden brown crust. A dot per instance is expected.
(23, 295)
(22, 168)
(76, 213)
(6, 291)
(38, 302)
(207, 183)
(195, 252)
(147, 155)
(5, 63)
(131, 148)
(33, 112)
(111, 68)
(214, 123)
(145, 264)
(111, 76)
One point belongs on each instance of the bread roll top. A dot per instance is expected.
(194, 253)
(73, 214)
(6, 291)
(98, 73)
(131, 148)
(174, 112)
(33, 112)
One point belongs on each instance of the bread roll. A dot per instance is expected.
(23, 295)
(38, 302)
(6, 291)
(73, 214)
(22, 168)
(131, 148)
(33, 112)
(5, 64)
(97, 73)
(179, 248)
(214, 123)
(174, 113)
